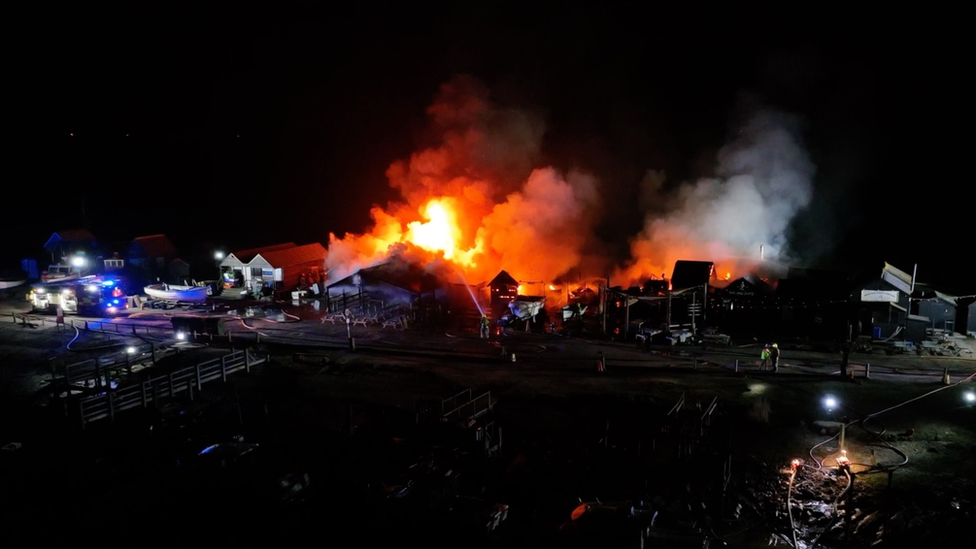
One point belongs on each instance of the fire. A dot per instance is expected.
(477, 199)
(441, 233)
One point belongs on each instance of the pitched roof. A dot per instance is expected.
(72, 235)
(408, 276)
(295, 255)
(155, 245)
(688, 274)
(246, 255)
(75, 235)
(503, 278)
(748, 286)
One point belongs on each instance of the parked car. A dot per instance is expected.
(714, 337)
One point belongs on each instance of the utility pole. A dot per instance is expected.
(606, 296)
(667, 329)
(704, 303)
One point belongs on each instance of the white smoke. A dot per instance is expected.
(763, 179)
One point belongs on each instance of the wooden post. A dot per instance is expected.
(171, 391)
(867, 371)
(736, 365)
(189, 387)
(247, 361)
(145, 398)
(199, 385)
(111, 403)
(223, 368)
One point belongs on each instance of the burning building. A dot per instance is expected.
(478, 200)
(386, 289)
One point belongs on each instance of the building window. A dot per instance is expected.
(114, 263)
(255, 272)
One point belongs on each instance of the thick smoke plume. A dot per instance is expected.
(763, 179)
(508, 211)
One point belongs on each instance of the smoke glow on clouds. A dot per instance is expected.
(478, 202)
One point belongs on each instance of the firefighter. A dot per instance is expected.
(764, 355)
(484, 326)
(774, 357)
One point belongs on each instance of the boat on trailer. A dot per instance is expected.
(177, 292)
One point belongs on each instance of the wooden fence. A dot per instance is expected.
(471, 411)
(94, 369)
(186, 380)
(121, 328)
(464, 406)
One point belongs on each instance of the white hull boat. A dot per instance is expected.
(5, 283)
(174, 292)
(61, 273)
(526, 307)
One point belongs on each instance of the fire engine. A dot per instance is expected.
(96, 295)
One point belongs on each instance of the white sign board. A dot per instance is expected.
(880, 296)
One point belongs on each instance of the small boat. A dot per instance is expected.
(174, 292)
(61, 272)
(11, 278)
(10, 283)
(525, 307)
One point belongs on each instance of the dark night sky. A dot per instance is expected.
(236, 125)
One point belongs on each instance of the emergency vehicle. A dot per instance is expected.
(95, 295)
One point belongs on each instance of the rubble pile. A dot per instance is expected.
(877, 517)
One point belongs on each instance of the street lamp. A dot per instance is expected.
(830, 403)
(969, 397)
(218, 257)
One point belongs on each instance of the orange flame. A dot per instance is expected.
(476, 201)
(441, 233)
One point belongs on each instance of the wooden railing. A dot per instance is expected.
(125, 328)
(186, 380)
(465, 407)
(94, 368)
